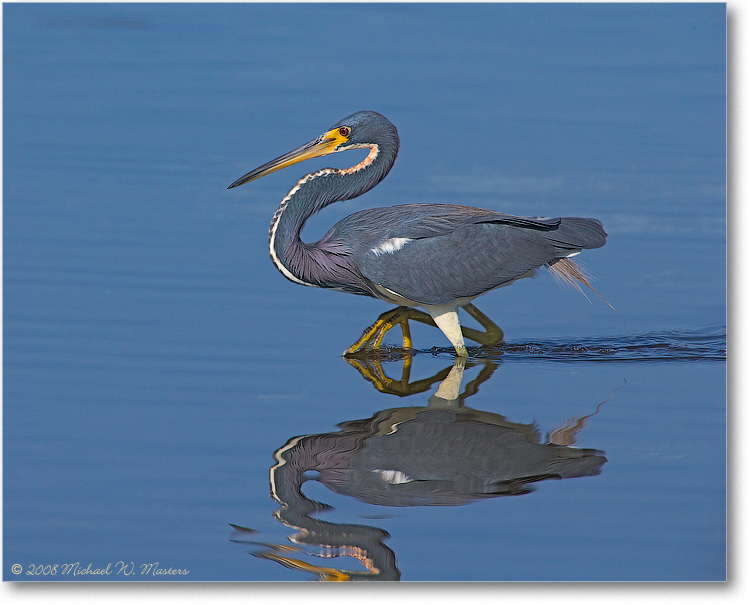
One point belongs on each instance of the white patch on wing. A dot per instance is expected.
(390, 246)
(393, 477)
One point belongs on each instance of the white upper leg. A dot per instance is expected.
(446, 318)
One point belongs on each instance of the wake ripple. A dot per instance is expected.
(682, 345)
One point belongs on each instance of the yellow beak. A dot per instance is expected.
(323, 145)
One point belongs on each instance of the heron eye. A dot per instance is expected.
(344, 131)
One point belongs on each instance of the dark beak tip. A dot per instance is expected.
(237, 183)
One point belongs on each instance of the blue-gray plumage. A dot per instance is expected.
(438, 256)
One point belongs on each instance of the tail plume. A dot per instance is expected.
(565, 271)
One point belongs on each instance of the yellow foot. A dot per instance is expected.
(372, 337)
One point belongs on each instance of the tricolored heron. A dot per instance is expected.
(435, 256)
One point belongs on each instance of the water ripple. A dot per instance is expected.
(678, 345)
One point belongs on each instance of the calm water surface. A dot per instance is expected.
(167, 393)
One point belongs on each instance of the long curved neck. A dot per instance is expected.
(310, 195)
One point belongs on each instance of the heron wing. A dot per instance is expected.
(422, 220)
(441, 253)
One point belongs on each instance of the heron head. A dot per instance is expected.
(361, 129)
(366, 128)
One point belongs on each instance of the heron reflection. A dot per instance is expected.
(441, 454)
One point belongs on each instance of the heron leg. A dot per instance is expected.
(372, 337)
(446, 318)
(492, 335)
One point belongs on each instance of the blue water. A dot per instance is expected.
(157, 367)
